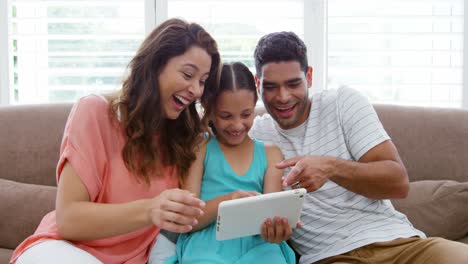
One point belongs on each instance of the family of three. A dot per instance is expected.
(142, 160)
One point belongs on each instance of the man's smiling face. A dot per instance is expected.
(284, 90)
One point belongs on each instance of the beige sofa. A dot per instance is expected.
(432, 142)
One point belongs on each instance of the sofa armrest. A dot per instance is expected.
(22, 207)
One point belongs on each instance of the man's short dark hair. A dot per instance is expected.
(278, 47)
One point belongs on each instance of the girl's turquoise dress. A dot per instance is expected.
(219, 179)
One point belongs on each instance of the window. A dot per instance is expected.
(238, 25)
(62, 50)
(398, 51)
(394, 51)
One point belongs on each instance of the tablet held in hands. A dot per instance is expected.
(245, 216)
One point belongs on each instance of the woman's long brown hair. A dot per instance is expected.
(154, 141)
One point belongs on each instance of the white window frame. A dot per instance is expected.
(315, 38)
(465, 57)
(4, 55)
(150, 15)
(156, 11)
(314, 35)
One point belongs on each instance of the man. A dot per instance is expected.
(336, 148)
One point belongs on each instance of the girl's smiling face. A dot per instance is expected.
(233, 116)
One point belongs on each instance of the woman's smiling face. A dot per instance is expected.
(182, 80)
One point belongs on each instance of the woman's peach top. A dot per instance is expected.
(92, 144)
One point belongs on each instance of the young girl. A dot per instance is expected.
(123, 155)
(229, 166)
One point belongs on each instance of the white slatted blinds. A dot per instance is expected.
(62, 50)
(398, 51)
(238, 25)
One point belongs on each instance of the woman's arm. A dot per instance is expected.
(192, 182)
(80, 219)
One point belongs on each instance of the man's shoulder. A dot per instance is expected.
(335, 94)
(338, 98)
(263, 126)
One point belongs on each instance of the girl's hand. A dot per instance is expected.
(242, 194)
(176, 210)
(277, 230)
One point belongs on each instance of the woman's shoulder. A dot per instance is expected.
(93, 102)
(91, 110)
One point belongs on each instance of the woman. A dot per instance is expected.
(124, 155)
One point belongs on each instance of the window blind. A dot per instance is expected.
(62, 50)
(238, 25)
(406, 52)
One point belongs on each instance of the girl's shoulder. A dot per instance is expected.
(272, 151)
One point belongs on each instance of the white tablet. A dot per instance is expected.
(245, 216)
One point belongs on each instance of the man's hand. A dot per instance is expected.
(309, 172)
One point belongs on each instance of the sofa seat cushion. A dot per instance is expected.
(463, 240)
(5, 255)
(22, 206)
(438, 208)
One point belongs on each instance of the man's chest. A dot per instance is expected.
(319, 143)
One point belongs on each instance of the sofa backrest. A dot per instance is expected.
(30, 138)
(432, 142)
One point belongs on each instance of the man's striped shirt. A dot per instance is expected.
(341, 123)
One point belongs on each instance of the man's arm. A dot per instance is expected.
(379, 173)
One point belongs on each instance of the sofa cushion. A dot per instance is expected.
(30, 138)
(438, 208)
(463, 240)
(5, 255)
(431, 141)
(22, 206)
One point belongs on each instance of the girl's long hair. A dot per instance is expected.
(153, 141)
